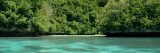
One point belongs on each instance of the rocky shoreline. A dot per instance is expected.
(134, 34)
(47, 34)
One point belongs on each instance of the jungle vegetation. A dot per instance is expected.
(79, 16)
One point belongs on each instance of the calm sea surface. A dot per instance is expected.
(79, 45)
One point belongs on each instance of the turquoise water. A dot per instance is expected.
(79, 45)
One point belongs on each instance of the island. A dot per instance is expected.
(77, 17)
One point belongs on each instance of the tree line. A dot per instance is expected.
(80, 16)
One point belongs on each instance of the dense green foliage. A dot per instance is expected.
(80, 16)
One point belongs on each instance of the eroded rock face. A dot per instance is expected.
(134, 34)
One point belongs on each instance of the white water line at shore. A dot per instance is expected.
(77, 35)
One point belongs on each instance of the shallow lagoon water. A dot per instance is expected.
(79, 45)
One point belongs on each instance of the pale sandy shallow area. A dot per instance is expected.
(69, 44)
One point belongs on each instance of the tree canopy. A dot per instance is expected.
(80, 16)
